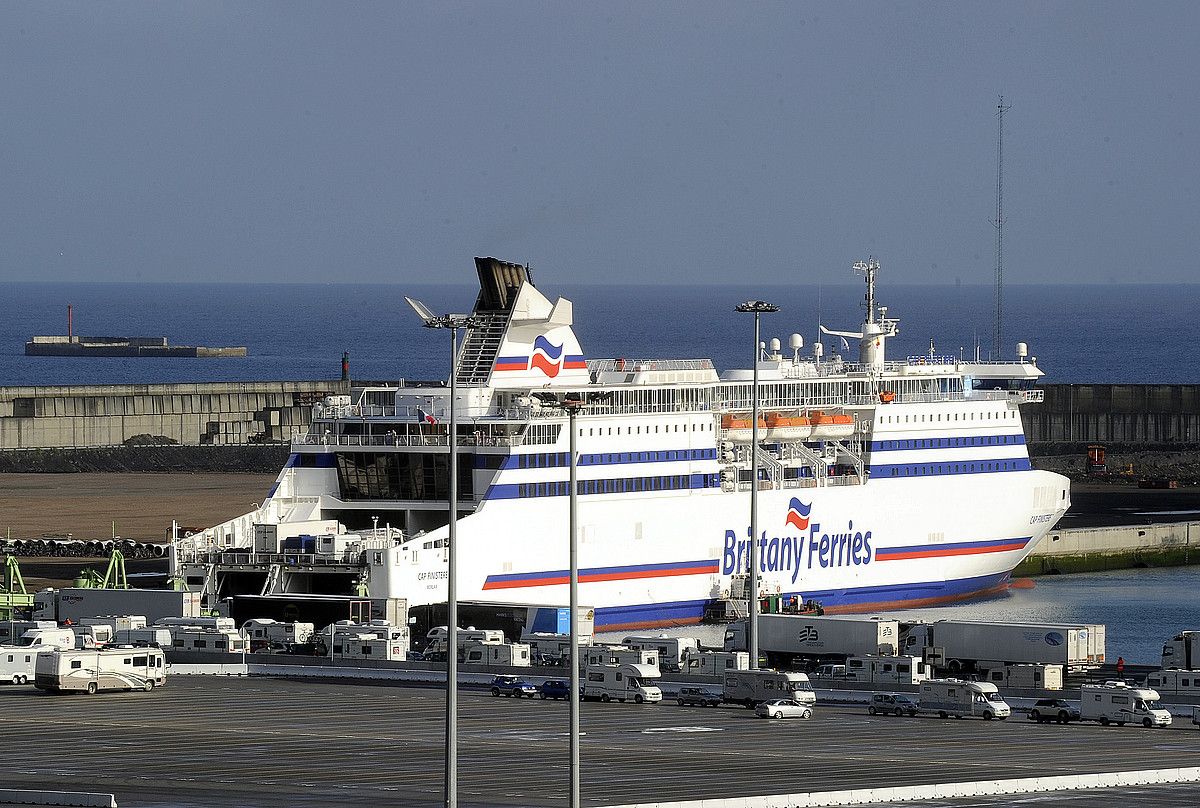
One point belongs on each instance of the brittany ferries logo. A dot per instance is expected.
(547, 357)
(809, 546)
(798, 514)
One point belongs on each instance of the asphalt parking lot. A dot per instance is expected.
(218, 741)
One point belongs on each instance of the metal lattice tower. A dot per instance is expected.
(998, 328)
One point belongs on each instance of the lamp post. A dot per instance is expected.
(572, 406)
(452, 322)
(755, 307)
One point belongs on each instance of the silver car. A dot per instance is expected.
(783, 708)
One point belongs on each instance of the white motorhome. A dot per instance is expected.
(1029, 677)
(209, 640)
(44, 638)
(1118, 703)
(513, 654)
(622, 683)
(118, 622)
(92, 670)
(375, 644)
(753, 687)
(11, 630)
(955, 697)
(549, 647)
(1177, 682)
(145, 637)
(715, 663)
(670, 650)
(16, 664)
(890, 670)
(437, 637)
(93, 635)
(267, 634)
(617, 655)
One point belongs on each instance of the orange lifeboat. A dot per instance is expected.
(739, 428)
(788, 427)
(887, 396)
(831, 425)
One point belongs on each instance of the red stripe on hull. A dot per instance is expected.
(607, 576)
(950, 551)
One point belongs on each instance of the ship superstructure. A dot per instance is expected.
(881, 483)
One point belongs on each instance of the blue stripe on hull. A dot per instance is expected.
(678, 613)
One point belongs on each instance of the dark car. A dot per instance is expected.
(556, 689)
(700, 696)
(1047, 710)
(512, 686)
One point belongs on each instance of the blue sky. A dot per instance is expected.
(605, 143)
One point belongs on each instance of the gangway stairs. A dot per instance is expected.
(477, 356)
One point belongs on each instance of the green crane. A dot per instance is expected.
(13, 597)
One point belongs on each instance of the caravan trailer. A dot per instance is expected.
(16, 664)
(92, 670)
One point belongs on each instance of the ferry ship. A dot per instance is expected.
(881, 484)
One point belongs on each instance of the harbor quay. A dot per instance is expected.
(259, 741)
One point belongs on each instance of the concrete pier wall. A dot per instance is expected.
(206, 414)
(1109, 548)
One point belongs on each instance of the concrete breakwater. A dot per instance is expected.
(1111, 548)
(201, 414)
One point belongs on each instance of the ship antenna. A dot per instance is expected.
(998, 330)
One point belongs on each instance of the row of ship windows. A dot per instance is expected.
(637, 430)
(958, 468)
(622, 485)
(949, 443)
(546, 460)
(966, 416)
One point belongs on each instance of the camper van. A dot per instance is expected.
(92, 670)
(210, 640)
(616, 655)
(889, 670)
(1118, 703)
(622, 683)
(1175, 682)
(671, 650)
(147, 636)
(512, 654)
(16, 664)
(753, 687)
(48, 638)
(273, 635)
(955, 697)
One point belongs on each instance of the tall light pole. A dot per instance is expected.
(452, 322)
(572, 406)
(755, 307)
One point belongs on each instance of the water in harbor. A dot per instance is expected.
(1140, 608)
(1079, 334)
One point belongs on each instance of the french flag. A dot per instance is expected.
(425, 417)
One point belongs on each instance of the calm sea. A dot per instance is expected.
(1089, 334)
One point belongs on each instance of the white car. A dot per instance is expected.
(783, 708)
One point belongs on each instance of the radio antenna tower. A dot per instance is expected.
(998, 329)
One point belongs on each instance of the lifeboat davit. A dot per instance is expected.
(831, 425)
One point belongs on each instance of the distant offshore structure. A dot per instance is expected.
(71, 345)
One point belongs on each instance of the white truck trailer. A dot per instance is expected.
(1182, 651)
(954, 697)
(785, 639)
(1118, 703)
(753, 687)
(963, 645)
(74, 604)
(622, 683)
(98, 669)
